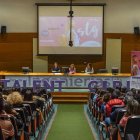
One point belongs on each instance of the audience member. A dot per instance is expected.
(12, 112)
(114, 101)
(5, 123)
(132, 109)
(15, 99)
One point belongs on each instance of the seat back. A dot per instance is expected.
(120, 114)
(117, 106)
(28, 107)
(132, 126)
(22, 114)
(32, 105)
(13, 120)
(130, 137)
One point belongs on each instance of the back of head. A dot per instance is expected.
(116, 93)
(118, 88)
(8, 107)
(133, 107)
(1, 103)
(28, 95)
(110, 89)
(129, 93)
(123, 89)
(16, 89)
(134, 91)
(128, 98)
(102, 93)
(14, 98)
(106, 97)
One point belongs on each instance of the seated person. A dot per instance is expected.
(132, 109)
(55, 68)
(114, 101)
(5, 123)
(15, 99)
(12, 112)
(89, 68)
(72, 69)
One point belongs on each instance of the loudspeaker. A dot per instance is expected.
(136, 30)
(3, 29)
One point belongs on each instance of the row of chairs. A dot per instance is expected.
(106, 132)
(34, 120)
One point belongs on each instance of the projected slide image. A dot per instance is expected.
(87, 31)
(52, 30)
(55, 31)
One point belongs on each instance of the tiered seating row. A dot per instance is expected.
(113, 131)
(35, 120)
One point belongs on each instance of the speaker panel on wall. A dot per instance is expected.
(136, 30)
(3, 29)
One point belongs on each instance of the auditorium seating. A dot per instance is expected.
(35, 119)
(113, 131)
(132, 127)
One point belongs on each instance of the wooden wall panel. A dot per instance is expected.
(130, 42)
(16, 51)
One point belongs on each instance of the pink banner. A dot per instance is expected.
(135, 63)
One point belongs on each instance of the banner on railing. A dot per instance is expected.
(135, 82)
(135, 63)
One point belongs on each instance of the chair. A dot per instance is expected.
(116, 107)
(114, 112)
(120, 114)
(26, 121)
(34, 115)
(130, 137)
(132, 127)
(19, 134)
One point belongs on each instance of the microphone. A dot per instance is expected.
(70, 43)
(71, 13)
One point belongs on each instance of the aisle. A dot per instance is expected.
(70, 124)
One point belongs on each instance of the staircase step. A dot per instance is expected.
(69, 101)
(70, 96)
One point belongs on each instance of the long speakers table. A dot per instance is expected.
(64, 82)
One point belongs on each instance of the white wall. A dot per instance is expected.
(113, 51)
(21, 15)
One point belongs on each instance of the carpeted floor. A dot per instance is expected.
(70, 124)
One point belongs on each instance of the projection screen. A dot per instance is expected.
(54, 29)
